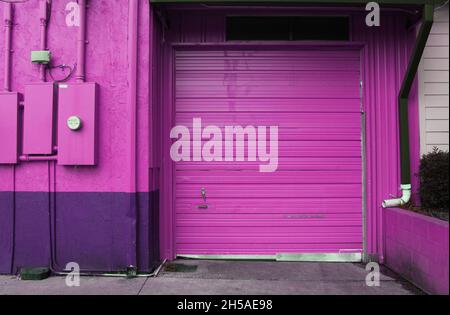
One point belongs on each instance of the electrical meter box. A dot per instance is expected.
(39, 119)
(77, 124)
(9, 123)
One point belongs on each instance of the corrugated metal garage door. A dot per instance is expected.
(313, 202)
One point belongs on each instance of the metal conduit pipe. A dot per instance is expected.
(44, 10)
(7, 14)
(117, 275)
(8, 17)
(133, 29)
(81, 44)
(403, 104)
(31, 158)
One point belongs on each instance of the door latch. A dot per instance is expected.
(203, 191)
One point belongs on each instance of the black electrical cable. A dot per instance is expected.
(62, 67)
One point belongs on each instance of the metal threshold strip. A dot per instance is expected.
(313, 257)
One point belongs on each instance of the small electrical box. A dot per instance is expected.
(77, 124)
(9, 123)
(39, 119)
(41, 56)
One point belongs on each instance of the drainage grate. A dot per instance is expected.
(175, 267)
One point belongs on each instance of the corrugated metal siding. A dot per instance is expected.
(313, 203)
(384, 61)
(434, 87)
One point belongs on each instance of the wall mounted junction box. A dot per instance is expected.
(41, 56)
(39, 119)
(77, 124)
(9, 126)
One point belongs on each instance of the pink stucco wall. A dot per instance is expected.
(92, 215)
(107, 64)
(417, 247)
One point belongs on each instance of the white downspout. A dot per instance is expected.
(403, 200)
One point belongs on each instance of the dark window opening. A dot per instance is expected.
(287, 28)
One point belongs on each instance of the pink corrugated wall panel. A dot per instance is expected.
(384, 60)
(313, 203)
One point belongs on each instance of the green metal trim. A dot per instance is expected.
(403, 101)
(417, 2)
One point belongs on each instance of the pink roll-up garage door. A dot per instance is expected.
(313, 202)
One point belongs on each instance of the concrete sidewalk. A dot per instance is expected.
(227, 277)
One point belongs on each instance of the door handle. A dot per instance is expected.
(203, 191)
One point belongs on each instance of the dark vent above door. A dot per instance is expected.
(282, 28)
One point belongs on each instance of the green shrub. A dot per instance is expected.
(434, 180)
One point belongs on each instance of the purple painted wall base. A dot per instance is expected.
(91, 229)
(417, 247)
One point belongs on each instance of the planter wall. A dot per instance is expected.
(417, 247)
